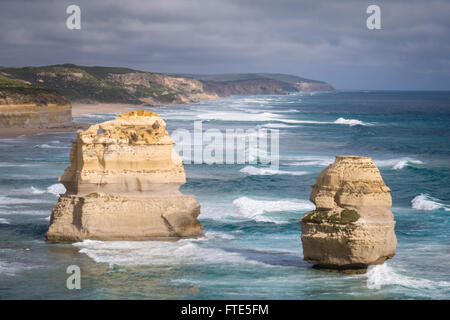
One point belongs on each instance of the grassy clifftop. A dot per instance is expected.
(16, 91)
(124, 85)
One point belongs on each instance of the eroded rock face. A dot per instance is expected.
(352, 226)
(123, 184)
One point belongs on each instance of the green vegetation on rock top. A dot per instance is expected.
(7, 82)
(319, 216)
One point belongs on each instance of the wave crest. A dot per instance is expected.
(398, 163)
(351, 122)
(427, 203)
(56, 189)
(253, 171)
(255, 209)
(383, 275)
(130, 253)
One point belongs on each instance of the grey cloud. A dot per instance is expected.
(324, 40)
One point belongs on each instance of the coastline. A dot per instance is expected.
(8, 133)
(79, 109)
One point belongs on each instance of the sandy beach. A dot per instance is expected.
(79, 108)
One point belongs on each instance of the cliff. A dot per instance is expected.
(352, 226)
(112, 85)
(123, 85)
(123, 184)
(25, 106)
(260, 83)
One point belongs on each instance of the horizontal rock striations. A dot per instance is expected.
(123, 184)
(24, 106)
(352, 226)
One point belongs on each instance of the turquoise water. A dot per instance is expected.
(252, 248)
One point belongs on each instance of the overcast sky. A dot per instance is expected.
(323, 40)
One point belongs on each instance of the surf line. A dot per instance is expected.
(193, 310)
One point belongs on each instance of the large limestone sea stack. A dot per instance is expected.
(123, 184)
(352, 226)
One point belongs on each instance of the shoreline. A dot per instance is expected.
(9, 133)
(79, 109)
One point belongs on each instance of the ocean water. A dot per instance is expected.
(250, 213)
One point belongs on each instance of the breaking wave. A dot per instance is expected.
(182, 252)
(255, 209)
(56, 189)
(384, 275)
(351, 122)
(5, 200)
(399, 163)
(309, 161)
(253, 171)
(427, 203)
(48, 146)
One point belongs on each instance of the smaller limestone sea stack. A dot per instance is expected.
(123, 184)
(352, 226)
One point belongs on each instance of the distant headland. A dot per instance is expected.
(94, 84)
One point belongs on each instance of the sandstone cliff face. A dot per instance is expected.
(313, 86)
(256, 86)
(263, 86)
(352, 226)
(123, 184)
(28, 107)
(176, 89)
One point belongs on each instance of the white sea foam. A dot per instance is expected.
(384, 275)
(16, 164)
(48, 146)
(302, 121)
(5, 200)
(182, 252)
(278, 126)
(398, 163)
(37, 191)
(12, 268)
(55, 189)
(309, 161)
(212, 235)
(4, 221)
(351, 122)
(271, 117)
(255, 209)
(253, 117)
(427, 203)
(7, 211)
(253, 171)
(238, 116)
